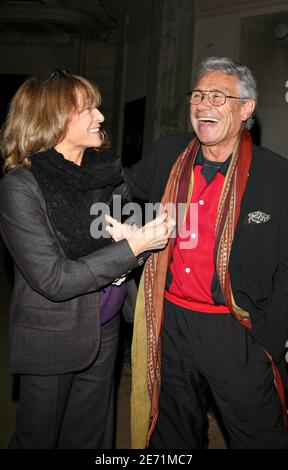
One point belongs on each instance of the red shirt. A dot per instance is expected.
(193, 265)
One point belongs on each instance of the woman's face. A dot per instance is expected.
(84, 131)
(84, 127)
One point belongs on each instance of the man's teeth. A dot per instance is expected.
(209, 119)
(96, 129)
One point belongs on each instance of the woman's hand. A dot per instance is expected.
(119, 231)
(152, 236)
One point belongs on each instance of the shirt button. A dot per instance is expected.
(187, 270)
(201, 202)
(193, 235)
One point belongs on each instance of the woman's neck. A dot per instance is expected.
(72, 154)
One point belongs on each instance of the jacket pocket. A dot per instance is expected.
(42, 319)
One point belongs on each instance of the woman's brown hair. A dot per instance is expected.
(39, 115)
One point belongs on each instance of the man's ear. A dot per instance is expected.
(248, 109)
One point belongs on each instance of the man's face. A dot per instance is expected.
(227, 119)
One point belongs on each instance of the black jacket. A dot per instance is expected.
(259, 257)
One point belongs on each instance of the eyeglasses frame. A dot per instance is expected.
(203, 93)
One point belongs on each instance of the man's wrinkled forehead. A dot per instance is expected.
(217, 80)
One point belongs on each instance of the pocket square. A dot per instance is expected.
(258, 217)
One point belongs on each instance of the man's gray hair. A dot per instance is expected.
(247, 85)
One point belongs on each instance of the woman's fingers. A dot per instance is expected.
(114, 229)
(171, 223)
(158, 221)
(111, 221)
(120, 231)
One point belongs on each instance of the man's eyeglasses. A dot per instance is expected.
(215, 97)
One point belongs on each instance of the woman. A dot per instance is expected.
(64, 323)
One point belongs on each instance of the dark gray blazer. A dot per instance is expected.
(55, 319)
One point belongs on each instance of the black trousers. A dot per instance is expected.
(70, 411)
(202, 351)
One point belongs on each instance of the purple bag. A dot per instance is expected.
(111, 301)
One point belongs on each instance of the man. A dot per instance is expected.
(214, 316)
